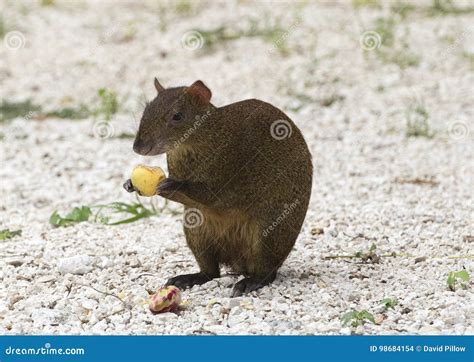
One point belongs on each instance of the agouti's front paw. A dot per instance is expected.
(128, 186)
(169, 186)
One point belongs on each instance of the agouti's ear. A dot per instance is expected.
(200, 93)
(158, 86)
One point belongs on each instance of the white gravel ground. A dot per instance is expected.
(91, 278)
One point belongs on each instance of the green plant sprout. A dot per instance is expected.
(417, 122)
(389, 302)
(458, 278)
(77, 215)
(355, 318)
(108, 103)
(6, 234)
(107, 213)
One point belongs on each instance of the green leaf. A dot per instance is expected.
(78, 214)
(347, 317)
(356, 318)
(80, 112)
(135, 211)
(454, 278)
(8, 234)
(55, 219)
(364, 315)
(10, 110)
(463, 275)
(389, 302)
(451, 280)
(108, 103)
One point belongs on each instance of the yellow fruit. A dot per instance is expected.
(146, 179)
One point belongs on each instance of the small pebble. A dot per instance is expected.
(79, 264)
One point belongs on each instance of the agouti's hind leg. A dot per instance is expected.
(208, 265)
(188, 280)
(250, 284)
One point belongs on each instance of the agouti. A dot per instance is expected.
(243, 173)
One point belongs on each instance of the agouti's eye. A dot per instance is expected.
(178, 116)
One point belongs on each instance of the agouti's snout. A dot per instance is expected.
(141, 147)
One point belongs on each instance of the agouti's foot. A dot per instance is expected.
(248, 285)
(188, 280)
(128, 186)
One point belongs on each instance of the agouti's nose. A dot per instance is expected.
(140, 147)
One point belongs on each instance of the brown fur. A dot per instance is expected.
(243, 180)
